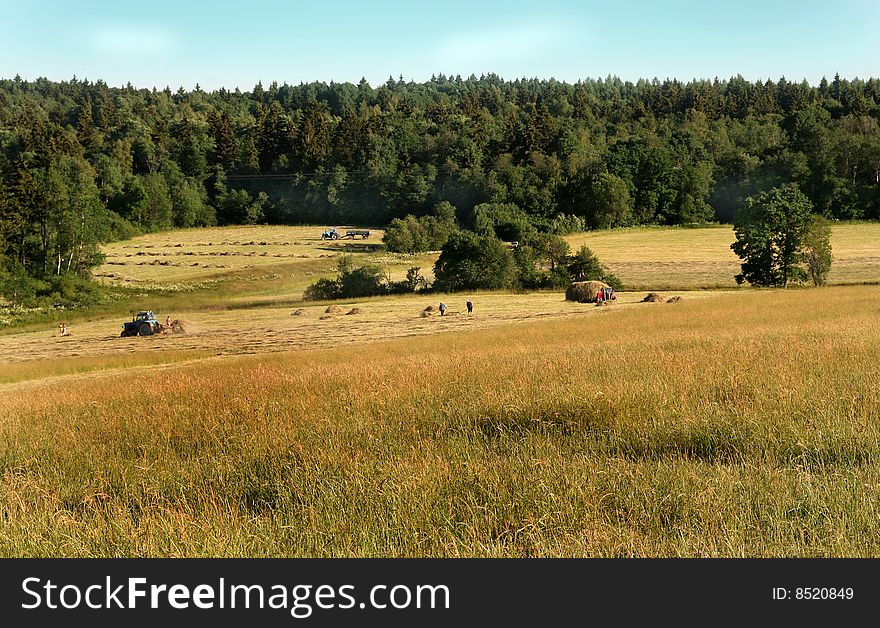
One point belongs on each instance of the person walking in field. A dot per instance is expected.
(470, 307)
(442, 309)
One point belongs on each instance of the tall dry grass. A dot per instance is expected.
(744, 425)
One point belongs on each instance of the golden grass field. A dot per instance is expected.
(662, 258)
(732, 423)
(740, 424)
(645, 258)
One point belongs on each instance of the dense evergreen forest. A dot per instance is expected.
(82, 162)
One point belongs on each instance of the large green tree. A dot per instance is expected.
(471, 261)
(770, 233)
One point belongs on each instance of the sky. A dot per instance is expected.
(237, 44)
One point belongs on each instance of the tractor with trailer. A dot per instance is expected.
(332, 234)
(145, 323)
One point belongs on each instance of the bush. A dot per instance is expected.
(585, 266)
(471, 261)
(362, 281)
(365, 281)
(323, 290)
(502, 220)
(414, 282)
(564, 224)
(417, 235)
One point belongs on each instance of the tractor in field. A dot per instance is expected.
(142, 324)
(146, 324)
(330, 234)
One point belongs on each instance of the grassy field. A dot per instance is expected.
(645, 258)
(740, 424)
(659, 258)
(732, 423)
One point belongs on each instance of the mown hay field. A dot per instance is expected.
(258, 326)
(645, 258)
(742, 424)
(188, 255)
(663, 258)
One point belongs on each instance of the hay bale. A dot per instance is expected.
(354, 310)
(298, 312)
(333, 309)
(584, 291)
(673, 300)
(654, 297)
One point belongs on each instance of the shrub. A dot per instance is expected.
(471, 261)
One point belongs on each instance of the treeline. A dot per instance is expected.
(81, 162)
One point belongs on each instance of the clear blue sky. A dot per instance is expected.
(236, 44)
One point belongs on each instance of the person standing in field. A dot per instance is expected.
(63, 328)
(470, 307)
(442, 309)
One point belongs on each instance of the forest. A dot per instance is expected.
(82, 163)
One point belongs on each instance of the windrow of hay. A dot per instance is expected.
(298, 312)
(654, 297)
(584, 291)
(354, 310)
(333, 309)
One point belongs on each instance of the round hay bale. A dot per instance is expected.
(354, 310)
(584, 291)
(333, 309)
(654, 297)
(673, 299)
(298, 312)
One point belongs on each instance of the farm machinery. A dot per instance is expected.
(146, 324)
(332, 234)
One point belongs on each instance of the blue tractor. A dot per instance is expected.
(143, 324)
(330, 234)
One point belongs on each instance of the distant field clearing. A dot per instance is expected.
(664, 258)
(198, 254)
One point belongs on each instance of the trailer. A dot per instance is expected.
(353, 233)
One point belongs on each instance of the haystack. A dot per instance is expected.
(673, 300)
(325, 317)
(584, 291)
(430, 308)
(298, 312)
(354, 310)
(654, 297)
(332, 309)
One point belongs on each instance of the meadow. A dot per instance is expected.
(660, 258)
(732, 423)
